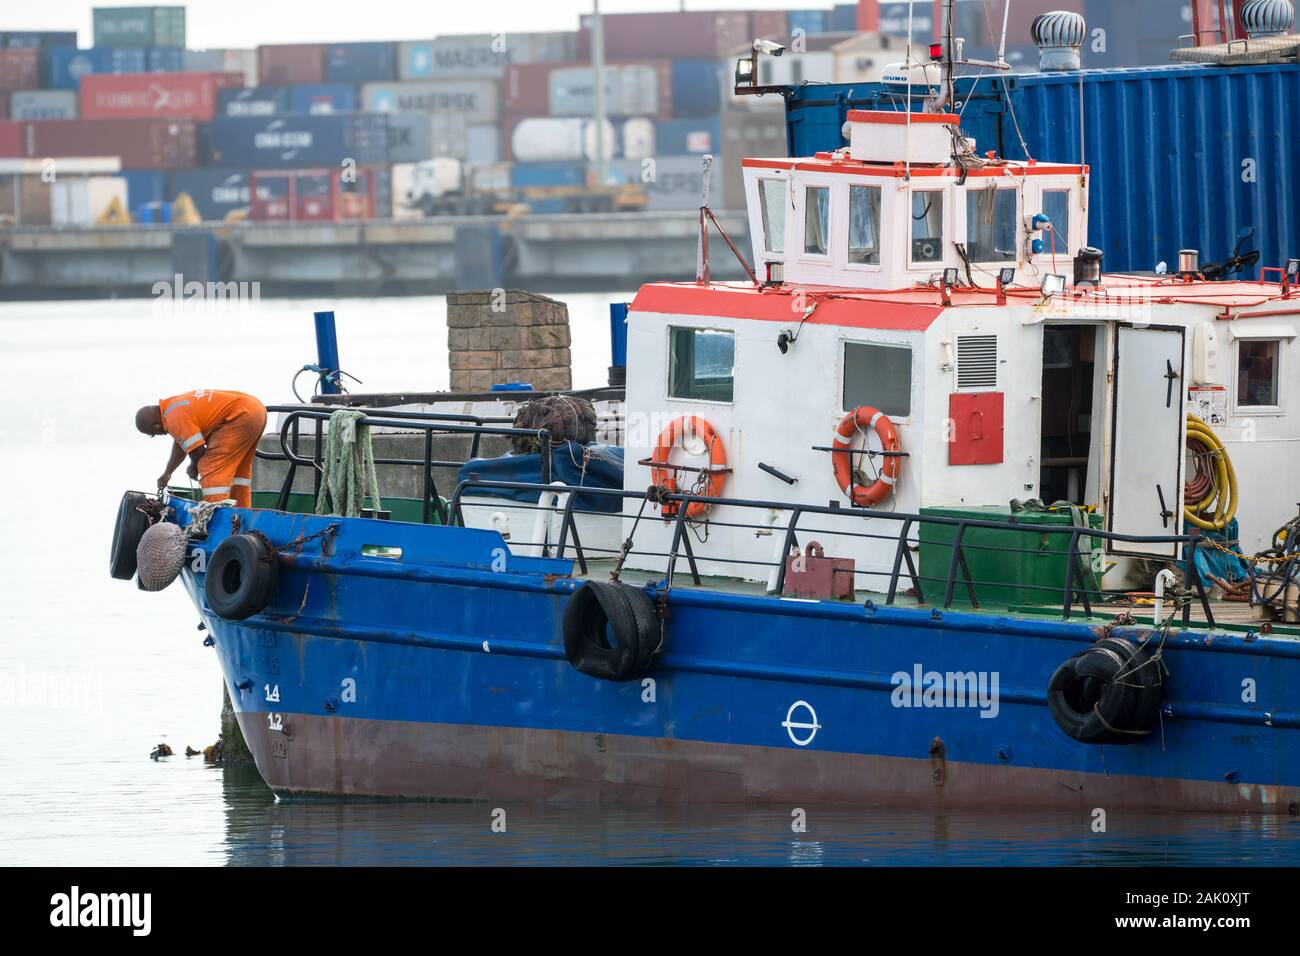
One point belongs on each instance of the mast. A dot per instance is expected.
(598, 77)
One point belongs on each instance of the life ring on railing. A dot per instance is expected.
(663, 476)
(863, 417)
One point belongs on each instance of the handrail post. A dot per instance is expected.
(953, 564)
(428, 473)
(1067, 601)
(898, 562)
(677, 539)
(785, 550)
(544, 437)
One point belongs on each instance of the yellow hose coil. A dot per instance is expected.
(1223, 489)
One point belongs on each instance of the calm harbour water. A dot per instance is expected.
(94, 674)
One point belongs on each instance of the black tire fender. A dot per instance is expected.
(1108, 693)
(611, 631)
(129, 528)
(242, 576)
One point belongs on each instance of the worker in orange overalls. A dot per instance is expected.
(219, 431)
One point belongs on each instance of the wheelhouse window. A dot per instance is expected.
(991, 225)
(1056, 207)
(878, 376)
(864, 225)
(816, 220)
(927, 226)
(701, 364)
(771, 204)
(1258, 373)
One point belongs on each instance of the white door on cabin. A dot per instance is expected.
(1146, 477)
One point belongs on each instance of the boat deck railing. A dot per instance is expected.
(1074, 588)
(430, 423)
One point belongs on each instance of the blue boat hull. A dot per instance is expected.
(442, 675)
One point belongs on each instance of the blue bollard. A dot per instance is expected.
(327, 352)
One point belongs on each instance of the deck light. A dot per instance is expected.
(1006, 276)
(1293, 269)
(936, 51)
(949, 278)
(1053, 284)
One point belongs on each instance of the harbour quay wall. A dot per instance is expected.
(382, 257)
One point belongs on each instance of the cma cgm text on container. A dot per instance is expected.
(297, 141)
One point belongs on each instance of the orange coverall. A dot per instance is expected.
(229, 425)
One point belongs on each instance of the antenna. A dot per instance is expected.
(1002, 43)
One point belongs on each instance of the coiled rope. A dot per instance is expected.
(347, 467)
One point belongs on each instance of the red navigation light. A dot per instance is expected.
(936, 51)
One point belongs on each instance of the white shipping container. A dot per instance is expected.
(477, 56)
(243, 62)
(450, 134)
(483, 144)
(477, 100)
(556, 140)
(638, 138)
(629, 91)
(43, 105)
(560, 47)
(83, 201)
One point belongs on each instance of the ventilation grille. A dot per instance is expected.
(977, 362)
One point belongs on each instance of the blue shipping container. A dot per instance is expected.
(1182, 157)
(65, 66)
(319, 98)
(809, 21)
(843, 18)
(358, 63)
(39, 39)
(215, 192)
(697, 87)
(547, 175)
(297, 141)
(143, 186)
(252, 101)
(688, 137)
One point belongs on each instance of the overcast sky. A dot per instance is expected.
(246, 23)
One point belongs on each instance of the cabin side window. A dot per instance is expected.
(701, 364)
(927, 226)
(878, 376)
(991, 225)
(1056, 207)
(864, 225)
(1259, 372)
(817, 220)
(771, 203)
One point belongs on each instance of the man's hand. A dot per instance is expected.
(163, 480)
(192, 469)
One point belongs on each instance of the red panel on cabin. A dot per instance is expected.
(976, 428)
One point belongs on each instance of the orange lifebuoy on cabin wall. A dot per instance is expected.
(864, 496)
(665, 477)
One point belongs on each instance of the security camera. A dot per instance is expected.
(769, 47)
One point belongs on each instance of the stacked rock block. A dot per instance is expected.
(507, 335)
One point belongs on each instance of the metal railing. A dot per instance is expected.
(1073, 589)
(430, 423)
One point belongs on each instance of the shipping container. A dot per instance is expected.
(673, 35)
(243, 62)
(12, 139)
(19, 69)
(144, 186)
(65, 66)
(139, 26)
(808, 22)
(759, 132)
(24, 200)
(291, 63)
(43, 104)
(894, 20)
(297, 141)
(630, 90)
(697, 86)
(138, 143)
(4, 105)
(555, 47)
(769, 25)
(547, 175)
(670, 182)
(83, 200)
(357, 63)
(526, 89)
(844, 18)
(38, 39)
(477, 56)
(450, 135)
(410, 137)
(253, 101)
(557, 139)
(1201, 151)
(688, 137)
(476, 100)
(216, 192)
(176, 95)
(483, 144)
(1128, 35)
(322, 98)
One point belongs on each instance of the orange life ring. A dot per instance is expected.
(864, 496)
(665, 477)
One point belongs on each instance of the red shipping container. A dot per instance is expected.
(526, 89)
(690, 35)
(769, 25)
(11, 139)
(156, 95)
(139, 143)
(19, 69)
(287, 63)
